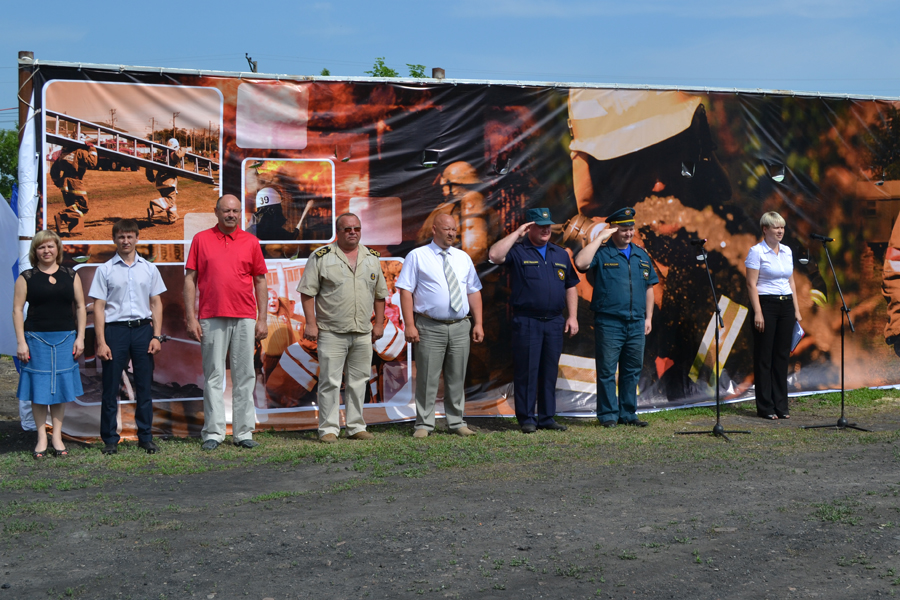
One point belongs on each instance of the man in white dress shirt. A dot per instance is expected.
(127, 322)
(440, 296)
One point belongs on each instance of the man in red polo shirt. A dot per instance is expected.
(226, 265)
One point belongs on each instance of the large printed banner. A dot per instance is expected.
(299, 153)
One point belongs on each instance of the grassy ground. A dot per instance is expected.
(500, 449)
(624, 513)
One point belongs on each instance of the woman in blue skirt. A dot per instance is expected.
(50, 339)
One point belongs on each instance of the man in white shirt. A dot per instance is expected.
(127, 322)
(439, 288)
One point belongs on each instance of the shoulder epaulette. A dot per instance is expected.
(375, 253)
(322, 251)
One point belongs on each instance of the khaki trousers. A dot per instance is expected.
(350, 355)
(221, 335)
(441, 347)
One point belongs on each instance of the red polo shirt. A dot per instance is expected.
(226, 264)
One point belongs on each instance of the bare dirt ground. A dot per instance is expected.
(585, 514)
(114, 195)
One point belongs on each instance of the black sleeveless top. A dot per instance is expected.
(51, 306)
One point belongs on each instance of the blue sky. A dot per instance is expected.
(829, 46)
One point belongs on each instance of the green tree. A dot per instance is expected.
(381, 70)
(417, 71)
(9, 160)
(325, 72)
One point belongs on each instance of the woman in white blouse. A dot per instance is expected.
(773, 296)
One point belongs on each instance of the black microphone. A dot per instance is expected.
(698, 242)
(821, 238)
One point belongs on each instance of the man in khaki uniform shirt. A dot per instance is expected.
(340, 284)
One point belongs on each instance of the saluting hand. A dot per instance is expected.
(606, 233)
(523, 229)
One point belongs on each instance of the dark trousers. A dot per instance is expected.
(619, 344)
(536, 346)
(771, 350)
(126, 344)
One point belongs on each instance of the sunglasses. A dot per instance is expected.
(351, 229)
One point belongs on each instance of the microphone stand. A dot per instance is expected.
(842, 422)
(717, 429)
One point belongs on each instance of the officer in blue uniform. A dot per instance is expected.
(623, 308)
(543, 288)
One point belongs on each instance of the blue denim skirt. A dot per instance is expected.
(52, 375)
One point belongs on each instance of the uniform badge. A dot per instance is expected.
(322, 251)
(646, 273)
(372, 276)
(561, 274)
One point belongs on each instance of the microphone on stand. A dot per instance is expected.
(821, 238)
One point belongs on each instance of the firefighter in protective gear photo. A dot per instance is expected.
(269, 222)
(166, 182)
(462, 189)
(67, 173)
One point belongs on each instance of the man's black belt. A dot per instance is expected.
(444, 321)
(782, 298)
(539, 315)
(132, 324)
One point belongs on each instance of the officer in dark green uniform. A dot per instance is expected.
(623, 307)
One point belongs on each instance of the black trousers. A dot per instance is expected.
(536, 348)
(127, 343)
(771, 350)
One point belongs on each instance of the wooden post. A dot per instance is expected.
(26, 85)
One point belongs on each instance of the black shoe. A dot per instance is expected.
(209, 445)
(608, 424)
(110, 449)
(149, 446)
(528, 428)
(246, 444)
(635, 423)
(554, 426)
